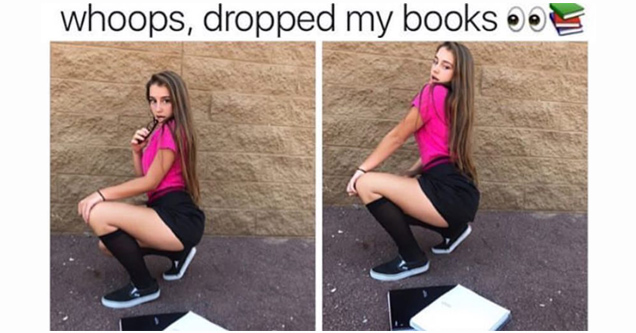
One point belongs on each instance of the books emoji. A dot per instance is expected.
(566, 18)
(574, 22)
(567, 10)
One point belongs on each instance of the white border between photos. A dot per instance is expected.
(26, 238)
(318, 189)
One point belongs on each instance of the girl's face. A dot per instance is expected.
(443, 66)
(160, 102)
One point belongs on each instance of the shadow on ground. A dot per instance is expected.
(239, 283)
(534, 264)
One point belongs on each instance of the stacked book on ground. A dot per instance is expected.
(173, 321)
(444, 308)
(566, 18)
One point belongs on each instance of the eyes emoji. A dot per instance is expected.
(517, 18)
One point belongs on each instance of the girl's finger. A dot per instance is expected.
(139, 139)
(142, 132)
(86, 212)
(350, 188)
(353, 185)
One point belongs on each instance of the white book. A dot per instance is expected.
(193, 322)
(461, 309)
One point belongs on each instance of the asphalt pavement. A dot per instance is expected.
(239, 283)
(534, 264)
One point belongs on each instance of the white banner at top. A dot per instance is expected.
(316, 21)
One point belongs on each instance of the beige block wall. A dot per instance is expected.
(254, 109)
(531, 121)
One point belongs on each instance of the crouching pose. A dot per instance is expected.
(171, 223)
(443, 197)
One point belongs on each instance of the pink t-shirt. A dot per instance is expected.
(432, 137)
(161, 138)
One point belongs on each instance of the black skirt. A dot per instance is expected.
(454, 195)
(181, 215)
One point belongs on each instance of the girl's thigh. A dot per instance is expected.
(403, 191)
(142, 223)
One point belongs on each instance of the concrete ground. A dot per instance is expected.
(239, 283)
(534, 264)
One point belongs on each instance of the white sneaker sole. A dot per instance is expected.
(132, 302)
(183, 268)
(456, 244)
(399, 276)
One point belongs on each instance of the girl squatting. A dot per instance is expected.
(439, 192)
(171, 223)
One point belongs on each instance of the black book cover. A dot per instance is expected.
(156, 322)
(406, 303)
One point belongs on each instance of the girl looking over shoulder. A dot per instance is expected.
(443, 197)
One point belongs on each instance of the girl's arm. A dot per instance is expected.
(136, 157)
(393, 140)
(137, 144)
(158, 169)
(389, 144)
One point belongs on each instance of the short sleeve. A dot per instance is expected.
(417, 99)
(166, 141)
(428, 102)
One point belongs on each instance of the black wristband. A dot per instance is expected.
(101, 195)
(363, 171)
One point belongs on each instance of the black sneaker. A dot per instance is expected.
(179, 266)
(129, 296)
(449, 244)
(398, 269)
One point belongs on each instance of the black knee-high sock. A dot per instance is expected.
(127, 251)
(172, 255)
(444, 232)
(394, 221)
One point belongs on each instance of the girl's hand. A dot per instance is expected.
(84, 207)
(139, 141)
(351, 187)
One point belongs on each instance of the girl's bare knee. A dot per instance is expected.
(362, 184)
(365, 189)
(98, 221)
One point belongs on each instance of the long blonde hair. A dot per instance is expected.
(183, 133)
(460, 108)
